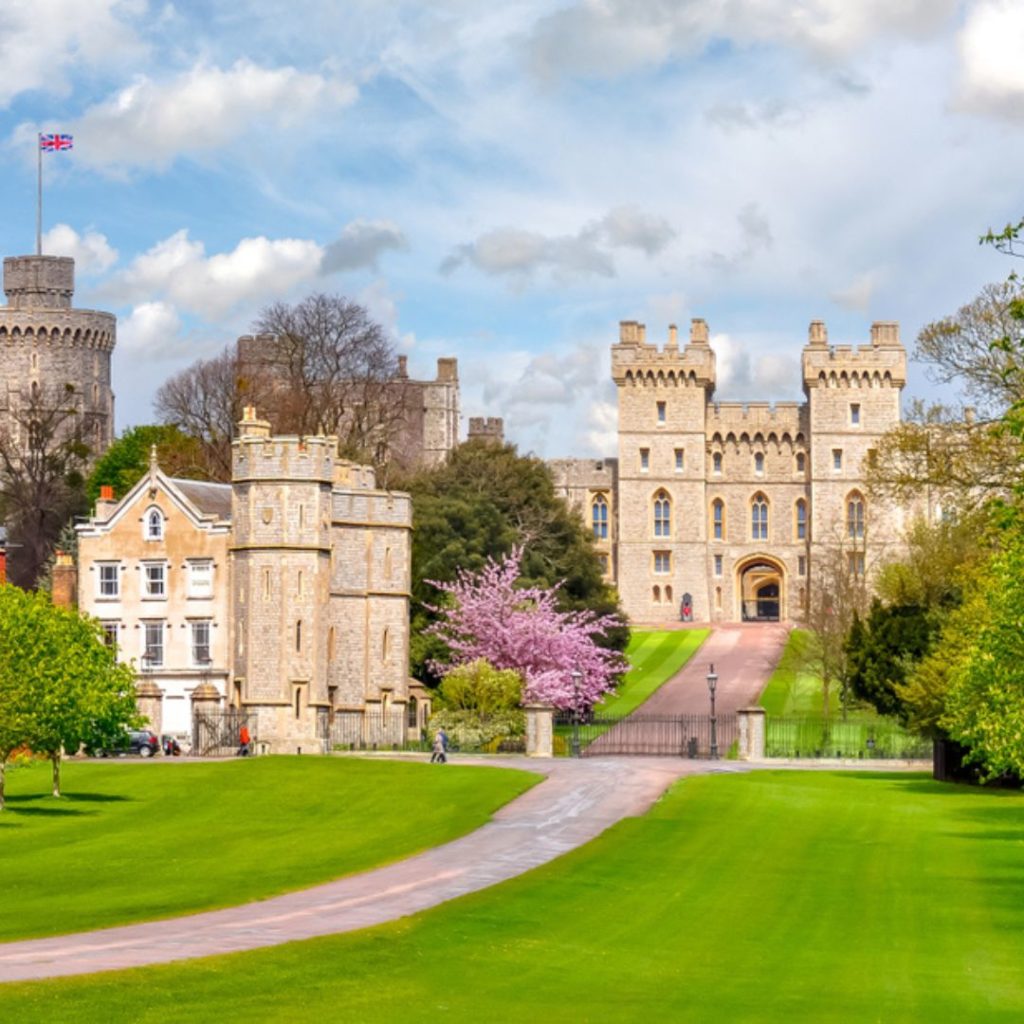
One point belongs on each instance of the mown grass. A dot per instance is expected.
(136, 841)
(776, 896)
(793, 688)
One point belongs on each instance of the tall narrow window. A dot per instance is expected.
(837, 459)
(662, 562)
(266, 585)
(330, 644)
(155, 579)
(801, 520)
(662, 515)
(680, 457)
(109, 580)
(759, 463)
(801, 565)
(599, 517)
(201, 643)
(385, 643)
(153, 649)
(759, 518)
(298, 636)
(801, 462)
(718, 599)
(668, 594)
(661, 412)
(645, 459)
(855, 414)
(656, 595)
(855, 516)
(154, 524)
(718, 519)
(856, 563)
(718, 565)
(716, 463)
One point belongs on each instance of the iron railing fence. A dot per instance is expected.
(389, 731)
(869, 740)
(219, 733)
(646, 734)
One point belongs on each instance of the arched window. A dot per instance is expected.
(662, 515)
(801, 461)
(759, 517)
(759, 463)
(599, 517)
(800, 520)
(656, 594)
(154, 524)
(855, 516)
(718, 519)
(716, 463)
(668, 595)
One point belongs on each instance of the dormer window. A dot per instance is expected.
(154, 524)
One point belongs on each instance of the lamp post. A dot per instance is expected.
(712, 683)
(577, 678)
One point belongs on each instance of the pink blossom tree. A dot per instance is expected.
(521, 628)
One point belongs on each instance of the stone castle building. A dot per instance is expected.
(720, 511)
(53, 355)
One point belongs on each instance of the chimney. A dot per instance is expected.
(106, 503)
(698, 331)
(403, 367)
(251, 425)
(65, 581)
(673, 337)
(817, 334)
(448, 369)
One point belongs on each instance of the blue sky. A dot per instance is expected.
(505, 182)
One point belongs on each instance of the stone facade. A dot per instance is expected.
(720, 510)
(592, 486)
(48, 347)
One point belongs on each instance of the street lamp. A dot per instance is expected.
(712, 683)
(577, 678)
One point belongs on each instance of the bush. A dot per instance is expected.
(469, 730)
(481, 688)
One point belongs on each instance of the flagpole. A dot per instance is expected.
(39, 196)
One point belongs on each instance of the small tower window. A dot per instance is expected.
(855, 414)
(716, 463)
(759, 518)
(599, 517)
(800, 524)
(662, 515)
(801, 462)
(837, 459)
(718, 519)
(855, 516)
(680, 457)
(645, 459)
(718, 565)
(298, 636)
(154, 524)
(661, 412)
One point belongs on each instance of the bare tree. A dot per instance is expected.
(44, 450)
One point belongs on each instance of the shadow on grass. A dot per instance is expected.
(50, 812)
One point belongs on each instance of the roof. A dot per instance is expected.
(209, 498)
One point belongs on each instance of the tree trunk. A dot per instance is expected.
(3, 767)
(55, 761)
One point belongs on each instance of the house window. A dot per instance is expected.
(718, 565)
(837, 459)
(759, 518)
(662, 562)
(200, 579)
(109, 579)
(800, 526)
(855, 516)
(856, 563)
(661, 412)
(759, 463)
(110, 630)
(801, 462)
(855, 414)
(716, 463)
(718, 519)
(680, 460)
(153, 645)
(154, 524)
(599, 517)
(662, 515)
(801, 565)
(645, 459)
(155, 579)
(201, 642)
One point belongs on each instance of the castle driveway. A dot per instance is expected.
(577, 801)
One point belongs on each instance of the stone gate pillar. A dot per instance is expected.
(540, 730)
(205, 700)
(150, 699)
(752, 723)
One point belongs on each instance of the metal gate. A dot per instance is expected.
(218, 733)
(694, 736)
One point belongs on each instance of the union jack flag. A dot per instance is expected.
(53, 142)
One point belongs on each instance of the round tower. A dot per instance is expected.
(49, 350)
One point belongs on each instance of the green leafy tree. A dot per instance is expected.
(480, 687)
(482, 502)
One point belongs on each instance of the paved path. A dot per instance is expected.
(744, 656)
(576, 802)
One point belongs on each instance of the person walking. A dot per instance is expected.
(438, 754)
(244, 739)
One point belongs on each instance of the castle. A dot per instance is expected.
(721, 511)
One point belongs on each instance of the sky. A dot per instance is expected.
(505, 182)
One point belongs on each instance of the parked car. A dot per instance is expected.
(137, 741)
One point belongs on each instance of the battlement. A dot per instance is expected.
(258, 456)
(491, 428)
(39, 282)
(635, 361)
(788, 415)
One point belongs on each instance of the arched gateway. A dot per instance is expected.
(761, 589)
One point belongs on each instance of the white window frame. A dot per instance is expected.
(158, 628)
(149, 593)
(111, 632)
(195, 571)
(196, 627)
(153, 517)
(115, 594)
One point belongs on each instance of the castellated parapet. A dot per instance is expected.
(46, 346)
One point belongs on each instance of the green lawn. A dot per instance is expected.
(134, 841)
(792, 690)
(775, 896)
(654, 658)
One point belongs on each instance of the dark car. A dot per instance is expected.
(138, 741)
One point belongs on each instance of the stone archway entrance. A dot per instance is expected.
(762, 590)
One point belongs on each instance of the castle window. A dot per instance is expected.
(656, 594)
(668, 594)
(645, 459)
(298, 636)
(662, 562)
(800, 520)
(759, 517)
(718, 598)
(837, 459)
(759, 463)
(856, 563)
(801, 565)
(662, 515)
(855, 516)
(661, 412)
(801, 461)
(716, 463)
(679, 460)
(385, 644)
(330, 644)
(718, 565)
(109, 580)
(154, 524)
(718, 519)
(599, 517)
(300, 584)
(855, 414)
(266, 585)
(387, 564)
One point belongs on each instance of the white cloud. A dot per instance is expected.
(256, 270)
(91, 252)
(361, 244)
(151, 122)
(152, 329)
(992, 72)
(857, 295)
(41, 40)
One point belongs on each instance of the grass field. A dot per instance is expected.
(654, 658)
(135, 841)
(792, 689)
(781, 896)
